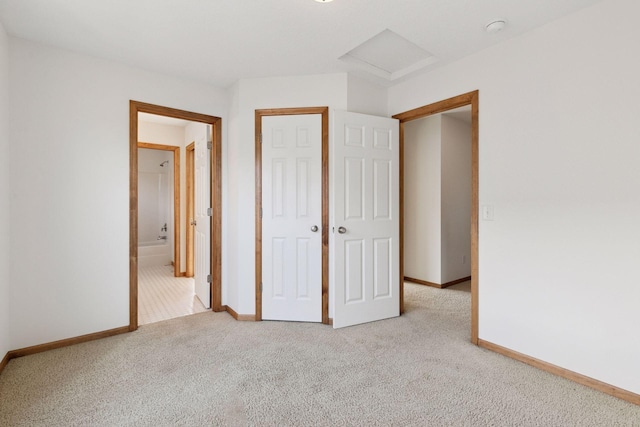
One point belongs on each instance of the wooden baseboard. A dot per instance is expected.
(66, 342)
(564, 373)
(241, 317)
(436, 285)
(4, 362)
(183, 274)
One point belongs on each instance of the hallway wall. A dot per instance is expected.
(423, 199)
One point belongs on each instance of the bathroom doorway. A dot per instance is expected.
(204, 131)
(159, 205)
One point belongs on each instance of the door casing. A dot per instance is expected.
(136, 107)
(190, 199)
(324, 112)
(470, 98)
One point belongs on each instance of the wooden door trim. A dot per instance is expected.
(136, 107)
(189, 157)
(259, 114)
(470, 98)
(176, 198)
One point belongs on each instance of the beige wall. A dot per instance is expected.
(456, 199)
(422, 199)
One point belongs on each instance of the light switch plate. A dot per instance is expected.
(487, 212)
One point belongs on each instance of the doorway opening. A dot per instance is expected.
(209, 275)
(468, 99)
(159, 205)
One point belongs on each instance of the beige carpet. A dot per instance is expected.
(208, 369)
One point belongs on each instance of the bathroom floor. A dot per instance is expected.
(162, 296)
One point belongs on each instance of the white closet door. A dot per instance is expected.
(292, 217)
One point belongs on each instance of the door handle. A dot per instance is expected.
(314, 228)
(193, 221)
(342, 230)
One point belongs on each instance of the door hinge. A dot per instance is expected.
(209, 279)
(209, 145)
(209, 211)
(260, 286)
(260, 213)
(260, 138)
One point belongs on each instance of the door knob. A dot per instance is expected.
(193, 222)
(314, 228)
(342, 230)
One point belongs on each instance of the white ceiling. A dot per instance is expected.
(221, 41)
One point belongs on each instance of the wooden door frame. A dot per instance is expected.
(259, 114)
(136, 107)
(470, 98)
(190, 200)
(176, 198)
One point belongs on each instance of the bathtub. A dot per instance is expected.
(157, 252)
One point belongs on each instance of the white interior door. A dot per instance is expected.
(292, 218)
(202, 191)
(365, 211)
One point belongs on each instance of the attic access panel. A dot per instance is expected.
(389, 55)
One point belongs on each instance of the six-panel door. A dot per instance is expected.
(292, 217)
(365, 211)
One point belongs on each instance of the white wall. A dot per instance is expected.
(4, 196)
(422, 199)
(247, 96)
(366, 97)
(230, 201)
(69, 171)
(559, 163)
(456, 199)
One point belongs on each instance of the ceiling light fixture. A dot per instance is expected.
(496, 26)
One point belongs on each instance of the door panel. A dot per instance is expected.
(202, 230)
(365, 211)
(291, 207)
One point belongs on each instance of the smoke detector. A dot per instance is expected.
(495, 26)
